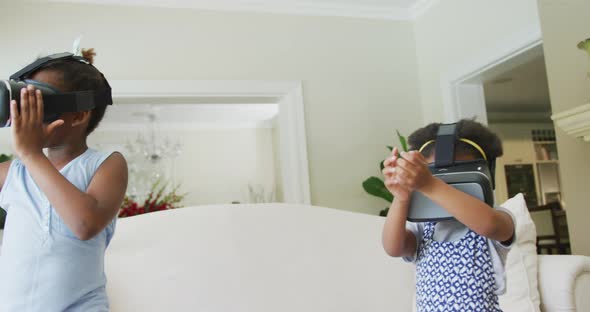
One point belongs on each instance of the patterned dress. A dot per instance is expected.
(455, 276)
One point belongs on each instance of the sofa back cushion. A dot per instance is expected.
(522, 292)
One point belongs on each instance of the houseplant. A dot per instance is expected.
(376, 187)
(3, 158)
(585, 46)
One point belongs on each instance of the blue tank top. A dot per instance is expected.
(43, 265)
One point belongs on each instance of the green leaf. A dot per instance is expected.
(390, 148)
(382, 166)
(2, 218)
(376, 187)
(402, 141)
(4, 157)
(584, 45)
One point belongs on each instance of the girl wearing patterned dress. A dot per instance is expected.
(460, 262)
(61, 207)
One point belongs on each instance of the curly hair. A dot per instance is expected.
(77, 76)
(466, 128)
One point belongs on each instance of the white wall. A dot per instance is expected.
(359, 76)
(564, 24)
(452, 33)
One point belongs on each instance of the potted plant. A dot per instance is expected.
(585, 46)
(3, 158)
(376, 187)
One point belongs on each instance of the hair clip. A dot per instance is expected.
(76, 50)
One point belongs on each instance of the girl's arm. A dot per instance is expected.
(472, 212)
(86, 214)
(397, 240)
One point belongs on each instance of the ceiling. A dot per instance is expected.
(520, 92)
(380, 9)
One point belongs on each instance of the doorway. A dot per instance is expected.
(508, 91)
(518, 109)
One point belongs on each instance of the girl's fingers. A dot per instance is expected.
(391, 182)
(406, 165)
(391, 171)
(398, 174)
(14, 114)
(32, 103)
(388, 171)
(418, 157)
(54, 125)
(389, 162)
(24, 103)
(422, 158)
(403, 176)
(40, 108)
(411, 157)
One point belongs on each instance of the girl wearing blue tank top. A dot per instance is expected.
(459, 263)
(61, 208)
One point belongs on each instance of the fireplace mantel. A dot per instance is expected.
(575, 122)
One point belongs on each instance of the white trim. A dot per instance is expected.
(313, 8)
(471, 101)
(293, 149)
(291, 121)
(168, 126)
(421, 7)
(519, 43)
(575, 122)
(188, 116)
(518, 117)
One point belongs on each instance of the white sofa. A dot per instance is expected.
(278, 257)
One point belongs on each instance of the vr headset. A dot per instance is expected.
(475, 178)
(55, 102)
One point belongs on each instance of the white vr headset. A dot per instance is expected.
(475, 178)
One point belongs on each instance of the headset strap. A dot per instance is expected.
(67, 102)
(74, 101)
(22, 74)
(445, 145)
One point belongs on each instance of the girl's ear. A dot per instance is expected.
(80, 118)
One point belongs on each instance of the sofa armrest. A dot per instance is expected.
(564, 283)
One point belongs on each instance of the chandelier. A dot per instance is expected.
(151, 158)
(151, 147)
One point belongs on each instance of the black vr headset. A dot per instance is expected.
(475, 177)
(55, 102)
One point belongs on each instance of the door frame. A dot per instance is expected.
(288, 95)
(462, 93)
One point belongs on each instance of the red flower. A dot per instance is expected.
(155, 201)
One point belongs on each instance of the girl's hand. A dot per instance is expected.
(415, 174)
(28, 131)
(391, 172)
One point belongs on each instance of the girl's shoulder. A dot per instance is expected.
(105, 162)
(95, 158)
